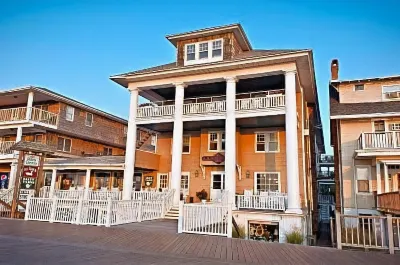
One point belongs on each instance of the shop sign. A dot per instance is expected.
(148, 181)
(4, 180)
(28, 183)
(32, 160)
(23, 194)
(218, 158)
(29, 172)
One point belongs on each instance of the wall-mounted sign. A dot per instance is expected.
(29, 172)
(32, 160)
(148, 181)
(4, 180)
(28, 183)
(218, 158)
(24, 193)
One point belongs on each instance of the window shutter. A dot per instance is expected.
(180, 54)
(227, 49)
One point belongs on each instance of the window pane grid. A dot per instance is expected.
(267, 182)
(164, 181)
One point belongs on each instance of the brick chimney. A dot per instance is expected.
(335, 69)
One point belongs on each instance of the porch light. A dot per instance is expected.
(196, 173)
(247, 174)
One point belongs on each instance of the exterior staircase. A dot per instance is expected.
(172, 214)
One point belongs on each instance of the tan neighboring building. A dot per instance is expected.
(365, 134)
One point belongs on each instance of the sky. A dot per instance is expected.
(72, 47)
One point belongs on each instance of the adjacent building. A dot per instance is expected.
(232, 121)
(365, 135)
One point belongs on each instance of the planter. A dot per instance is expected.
(203, 201)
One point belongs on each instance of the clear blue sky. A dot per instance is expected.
(72, 47)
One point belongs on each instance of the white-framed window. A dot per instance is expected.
(267, 181)
(391, 92)
(186, 144)
(64, 144)
(363, 177)
(185, 183)
(359, 87)
(69, 113)
(216, 141)
(267, 142)
(379, 126)
(163, 181)
(107, 151)
(190, 52)
(395, 127)
(153, 140)
(203, 52)
(89, 119)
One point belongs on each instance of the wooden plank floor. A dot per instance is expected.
(155, 242)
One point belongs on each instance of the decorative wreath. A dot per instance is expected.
(259, 230)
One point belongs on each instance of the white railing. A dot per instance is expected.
(20, 114)
(206, 219)
(44, 192)
(267, 102)
(168, 201)
(7, 195)
(379, 140)
(69, 194)
(204, 107)
(5, 147)
(368, 232)
(125, 212)
(261, 202)
(155, 111)
(327, 199)
(104, 195)
(148, 195)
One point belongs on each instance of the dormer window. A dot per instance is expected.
(203, 52)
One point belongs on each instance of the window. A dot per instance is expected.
(359, 87)
(64, 144)
(47, 178)
(190, 52)
(379, 126)
(395, 127)
(363, 178)
(391, 92)
(89, 119)
(203, 50)
(38, 138)
(107, 151)
(216, 141)
(185, 183)
(267, 182)
(163, 181)
(186, 144)
(267, 142)
(69, 116)
(153, 140)
(217, 48)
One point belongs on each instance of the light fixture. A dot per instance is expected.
(196, 173)
(247, 174)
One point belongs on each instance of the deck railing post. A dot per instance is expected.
(28, 204)
(338, 230)
(109, 213)
(139, 219)
(390, 233)
(165, 198)
(180, 218)
(229, 226)
(79, 211)
(53, 209)
(362, 141)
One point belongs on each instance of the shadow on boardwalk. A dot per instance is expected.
(155, 242)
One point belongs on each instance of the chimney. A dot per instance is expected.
(335, 69)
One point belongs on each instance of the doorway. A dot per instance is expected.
(217, 185)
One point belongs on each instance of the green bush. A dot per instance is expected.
(295, 237)
(242, 232)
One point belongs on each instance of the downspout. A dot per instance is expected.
(354, 183)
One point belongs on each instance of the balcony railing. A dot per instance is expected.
(271, 100)
(37, 115)
(262, 202)
(389, 202)
(379, 140)
(5, 147)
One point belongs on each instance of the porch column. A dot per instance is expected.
(292, 162)
(130, 146)
(230, 139)
(87, 184)
(14, 164)
(29, 106)
(177, 142)
(386, 175)
(378, 178)
(53, 182)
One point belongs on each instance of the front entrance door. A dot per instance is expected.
(217, 185)
(137, 181)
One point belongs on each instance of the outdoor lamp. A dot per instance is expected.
(247, 174)
(196, 173)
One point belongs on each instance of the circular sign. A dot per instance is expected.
(3, 177)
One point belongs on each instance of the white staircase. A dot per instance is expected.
(172, 214)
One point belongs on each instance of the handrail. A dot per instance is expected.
(22, 114)
(5, 147)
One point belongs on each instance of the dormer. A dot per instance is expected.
(210, 44)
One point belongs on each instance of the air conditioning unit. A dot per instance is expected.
(393, 95)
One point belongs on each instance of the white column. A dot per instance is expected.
(378, 178)
(386, 175)
(292, 158)
(53, 182)
(29, 106)
(230, 139)
(177, 142)
(87, 184)
(14, 164)
(130, 147)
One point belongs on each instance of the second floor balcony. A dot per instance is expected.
(379, 141)
(389, 202)
(25, 115)
(260, 102)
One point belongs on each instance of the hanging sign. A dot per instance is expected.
(29, 172)
(218, 158)
(148, 181)
(28, 183)
(4, 180)
(32, 160)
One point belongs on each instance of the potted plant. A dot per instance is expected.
(202, 195)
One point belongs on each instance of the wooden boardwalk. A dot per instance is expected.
(155, 242)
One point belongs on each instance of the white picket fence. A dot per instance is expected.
(206, 219)
(261, 202)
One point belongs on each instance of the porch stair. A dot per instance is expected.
(172, 214)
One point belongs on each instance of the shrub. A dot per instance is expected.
(295, 237)
(241, 230)
(202, 195)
